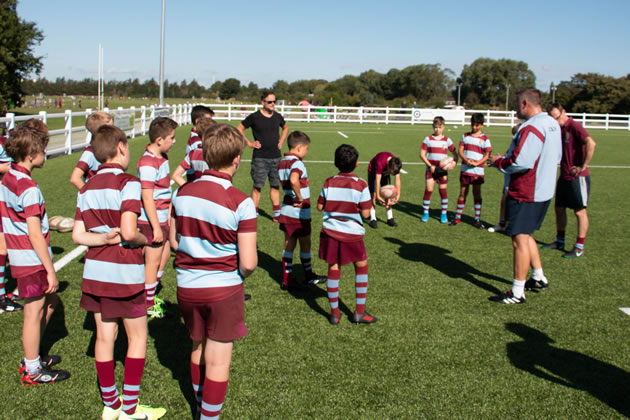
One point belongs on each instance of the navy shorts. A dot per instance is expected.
(524, 217)
(574, 193)
(263, 168)
(372, 181)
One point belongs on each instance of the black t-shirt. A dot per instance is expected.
(266, 131)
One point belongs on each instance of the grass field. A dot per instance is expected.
(440, 348)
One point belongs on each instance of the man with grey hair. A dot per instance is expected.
(531, 161)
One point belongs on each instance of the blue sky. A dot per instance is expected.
(265, 41)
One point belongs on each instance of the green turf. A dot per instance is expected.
(440, 348)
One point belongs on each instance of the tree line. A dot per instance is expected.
(485, 83)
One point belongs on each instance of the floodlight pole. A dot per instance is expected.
(553, 93)
(459, 89)
(162, 57)
(507, 96)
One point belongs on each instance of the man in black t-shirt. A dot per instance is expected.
(266, 124)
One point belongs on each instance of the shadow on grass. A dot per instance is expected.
(55, 330)
(262, 213)
(438, 258)
(56, 250)
(173, 346)
(536, 355)
(308, 293)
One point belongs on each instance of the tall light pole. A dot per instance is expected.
(459, 89)
(507, 95)
(553, 89)
(162, 57)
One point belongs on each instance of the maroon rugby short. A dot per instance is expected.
(297, 230)
(336, 252)
(439, 176)
(110, 308)
(33, 285)
(147, 231)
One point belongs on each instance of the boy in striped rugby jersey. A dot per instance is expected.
(88, 165)
(155, 179)
(25, 228)
(434, 148)
(295, 213)
(113, 277)
(345, 199)
(474, 149)
(213, 230)
(193, 164)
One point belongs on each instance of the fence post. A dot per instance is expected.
(43, 115)
(230, 112)
(386, 115)
(88, 135)
(488, 117)
(308, 114)
(180, 117)
(584, 119)
(133, 126)
(335, 116)
(607, 120)
(143, 119)
(11, 117)
(360, 115)
(68, 131)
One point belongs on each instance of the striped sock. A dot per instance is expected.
(426, 201)
(560, 237)
(361, 287)
(159, 276)
(305, 257)
(149, 290)
(478, 210)
(332, 287)
(287, 267)
(461, 202)
(276, 212)
(3, 262)
(197, 372)
(131, 385)
(213, 397)
(107, 383)
(579, 244)
(444, 196)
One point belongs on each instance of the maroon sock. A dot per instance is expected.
(213, 397)
(131, 386)
(332, 288)
(444, 197)
(197, 374)
(360, 287)
(107, 383)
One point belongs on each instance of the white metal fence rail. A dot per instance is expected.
(70, 138)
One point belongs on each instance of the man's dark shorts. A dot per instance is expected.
(372, 181)
(524, 217)
(573, 194)
(263, 168)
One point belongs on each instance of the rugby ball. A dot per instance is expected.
(388, 191)
(447, 163)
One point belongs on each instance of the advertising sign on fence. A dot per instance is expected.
(162, 111)
(456, 115)
(124, 118)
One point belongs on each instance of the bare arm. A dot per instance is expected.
(151, 210)
(247, 255)
(590, 150)
(423, 156)
(460, 152)
(38, 242)
(129, 229)
(377, 190)
(295, 186)
(398, 186)
(178, 175)
(283, 137)
(80, 236)
(241, 128)
(76, 178)
(172, 235)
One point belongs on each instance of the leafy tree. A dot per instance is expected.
(17, 62)
(230, 88)
(595, 93)
(488, 79)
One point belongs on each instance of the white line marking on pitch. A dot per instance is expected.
(342, 135)
(625, 310)
(69, 257)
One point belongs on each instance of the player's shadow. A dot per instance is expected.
(439, 259)
(536, 354)
(412, 209)
(263, 213)
(173, 346)
(120, 346)
(309, 294)
(56, 250)
(56, 328)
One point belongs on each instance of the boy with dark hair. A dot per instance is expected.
(215, 244)
(345, 198)
(474, 149)
(433, 150)
(380, 168)
(113, 277)
(23, 215)
(295, 213)
(88, 164)
(194, 163)
(154, 174)
(197, 112)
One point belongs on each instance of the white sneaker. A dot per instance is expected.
(111, 414)
(496, 228)
(144, 412)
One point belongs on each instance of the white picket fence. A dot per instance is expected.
(69, 138)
